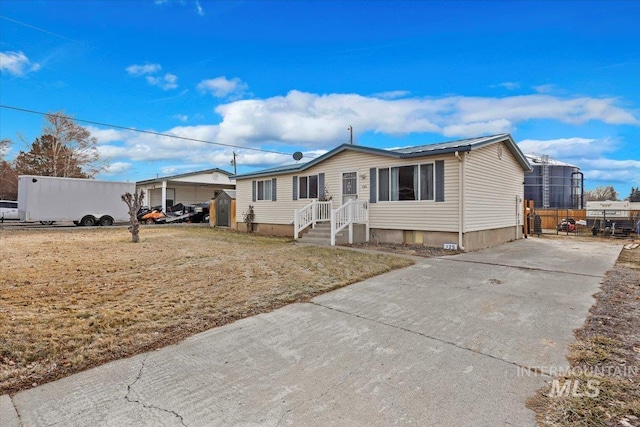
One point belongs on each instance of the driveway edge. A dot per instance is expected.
(8, 414)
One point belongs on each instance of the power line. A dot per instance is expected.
(149, 131)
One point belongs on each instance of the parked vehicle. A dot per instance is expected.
(8, 209)
(200, 212)
(567, 224)
(151, 215)
(84, 201)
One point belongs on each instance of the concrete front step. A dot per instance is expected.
(320, 235)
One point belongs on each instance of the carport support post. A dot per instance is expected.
(164, 196)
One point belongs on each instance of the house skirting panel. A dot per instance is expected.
(472, 241)
(285, 230)
(476, 240)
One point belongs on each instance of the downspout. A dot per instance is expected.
(460, 200)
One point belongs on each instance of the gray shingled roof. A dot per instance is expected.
(460, 145)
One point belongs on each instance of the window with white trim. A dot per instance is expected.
(264, 190)
(308, 187)
(413, 182)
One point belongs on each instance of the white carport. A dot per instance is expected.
(187, 188)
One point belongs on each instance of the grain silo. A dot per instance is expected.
(553, 184)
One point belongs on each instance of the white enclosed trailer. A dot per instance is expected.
(609, 209)
(83, 201)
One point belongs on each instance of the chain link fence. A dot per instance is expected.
(580, 222)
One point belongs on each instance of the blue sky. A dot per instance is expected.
(561, 77)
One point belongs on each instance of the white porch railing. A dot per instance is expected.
(352, 212)
(310, 214)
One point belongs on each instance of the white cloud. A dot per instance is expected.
(105, 136)
(199, 9)
(300, 120)
(149, 71)
(590, 155)
(567, 147)
(166, 82)
(311, 119)
(392, 94)
(508, 85)
(117, 167)
(221, 87)
(16, 63)
(141, 70)
(611, 171)
(181, 117)
(546, 88)
(478, 128)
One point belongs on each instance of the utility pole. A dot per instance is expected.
(350, 129)
(233, 162)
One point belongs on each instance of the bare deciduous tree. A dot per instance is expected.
(65, 149)
(134, 202)
(8, 174)
(601, 193)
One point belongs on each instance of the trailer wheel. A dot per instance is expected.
(106, 220)
(46, 222)
(88, 221)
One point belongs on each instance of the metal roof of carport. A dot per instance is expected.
(461, 145)
(184, 175)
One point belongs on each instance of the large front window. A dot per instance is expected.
(413, 182)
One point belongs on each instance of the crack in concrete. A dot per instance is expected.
(15, 408)
(329, 389)
(521, 267)
(534, 369)
(144, 405)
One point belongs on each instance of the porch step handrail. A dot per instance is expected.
(309, 215)
(352, 212)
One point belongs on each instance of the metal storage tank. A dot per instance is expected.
(553, 184)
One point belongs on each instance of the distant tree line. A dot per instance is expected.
(603, 193)
(65, 149)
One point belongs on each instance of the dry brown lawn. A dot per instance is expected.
(71, 299)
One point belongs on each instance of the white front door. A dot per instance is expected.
(349, 186)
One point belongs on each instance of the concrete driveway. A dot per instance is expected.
(445, 342)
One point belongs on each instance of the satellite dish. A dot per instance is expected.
(297, 156)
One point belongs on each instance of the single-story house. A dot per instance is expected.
(186, 188)
(467, 193)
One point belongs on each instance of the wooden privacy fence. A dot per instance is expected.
(551, 217)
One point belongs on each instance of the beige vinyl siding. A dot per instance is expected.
(401, 215)
(491, 186)
(195, 193)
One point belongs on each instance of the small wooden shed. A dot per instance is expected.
(222, 212)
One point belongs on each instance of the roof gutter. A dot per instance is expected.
(460, 199)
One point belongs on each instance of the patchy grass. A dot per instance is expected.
(607, 351)
(71, 299)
